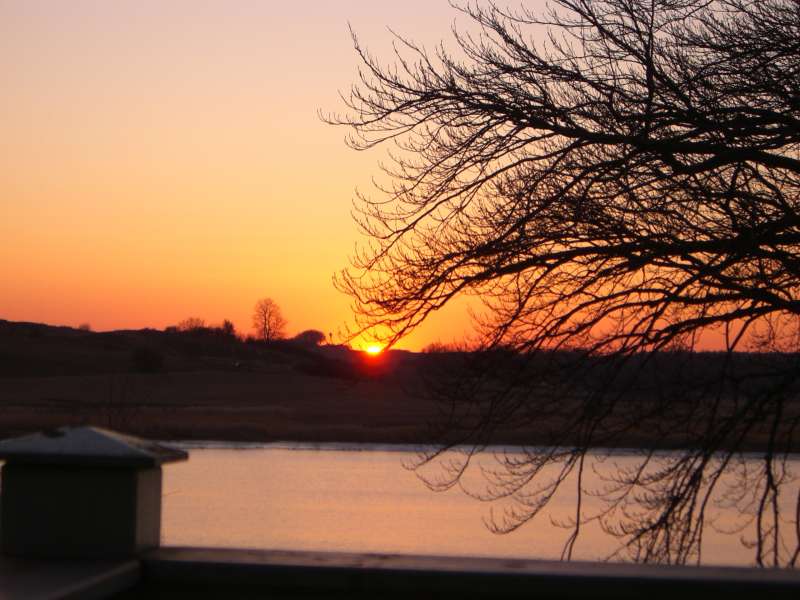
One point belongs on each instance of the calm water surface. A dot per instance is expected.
(334, 499)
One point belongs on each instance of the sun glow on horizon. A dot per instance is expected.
(374, 349)
(204, 178)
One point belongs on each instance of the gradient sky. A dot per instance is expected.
(164, 159)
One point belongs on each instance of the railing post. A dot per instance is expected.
(81, 492)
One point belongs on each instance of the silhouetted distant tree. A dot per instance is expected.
(309, 337)
(268, 321)
(191, 324)
(227, 328)
(615, 179)
(441, 348)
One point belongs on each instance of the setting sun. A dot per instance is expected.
(374, 349)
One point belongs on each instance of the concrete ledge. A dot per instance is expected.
(27, 579)
(197, 572)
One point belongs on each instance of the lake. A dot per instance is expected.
(363, 499)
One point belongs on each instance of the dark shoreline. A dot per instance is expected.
(211, 386)
(308, 434)
(267, 407)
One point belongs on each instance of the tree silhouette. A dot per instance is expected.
(310, 338)
(617, 180)
(191, 324)
(268, 321)
(228, 328)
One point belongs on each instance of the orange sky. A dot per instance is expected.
(160, 160)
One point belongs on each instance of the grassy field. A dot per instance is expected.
(282, 405)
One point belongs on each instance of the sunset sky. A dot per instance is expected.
(164, 159)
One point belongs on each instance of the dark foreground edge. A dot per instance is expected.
(217, 573)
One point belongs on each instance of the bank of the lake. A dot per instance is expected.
(256, 407)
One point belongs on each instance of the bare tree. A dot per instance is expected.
(268, 320)
(191, 324)
(617, 180)
(228, 328)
